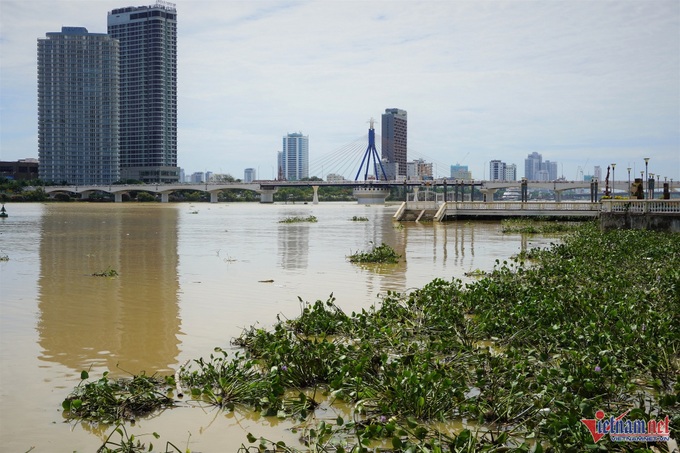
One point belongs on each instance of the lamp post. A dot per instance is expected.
(651, 186)
(628, 181)
(613, 180)
(657, 180)
(646, 164)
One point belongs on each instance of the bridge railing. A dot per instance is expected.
(641, 206)
(520, 206)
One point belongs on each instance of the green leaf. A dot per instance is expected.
(340, 421)
(84, 375)
(396, 443)
(251, 438)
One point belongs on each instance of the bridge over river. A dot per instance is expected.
(369, 191)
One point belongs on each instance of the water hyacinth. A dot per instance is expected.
(520, 355)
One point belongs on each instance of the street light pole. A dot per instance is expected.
(613, 180)
(628, 181)
(647, 182)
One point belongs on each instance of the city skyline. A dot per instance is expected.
(586, 83)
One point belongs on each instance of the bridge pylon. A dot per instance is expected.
(371, 155)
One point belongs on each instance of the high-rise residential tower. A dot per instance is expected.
(532, 165)
(294, 162)
(394, 141)
(148, 90)
(78, 107)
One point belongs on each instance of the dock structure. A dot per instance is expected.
(633, 214)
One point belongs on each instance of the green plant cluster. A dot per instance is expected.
(111, 401)
(537, 226)
(382, 253)
(359, 219)
(109, 272)
(521, 355)
(299, 219)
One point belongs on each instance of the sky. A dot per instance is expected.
(584, 83)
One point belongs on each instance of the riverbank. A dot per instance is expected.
(516, 360)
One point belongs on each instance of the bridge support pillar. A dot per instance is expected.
(415, 193)
(118, 197)
(558, 196)
(488, 194)
(267, 195)
(315, 199)
(85, 195)
(165, 197)
(213, 197)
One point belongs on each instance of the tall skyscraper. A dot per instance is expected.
(148, 90)
(294, 161)
(394, 140)
(78, 107)
(532, 165)
(511, 172)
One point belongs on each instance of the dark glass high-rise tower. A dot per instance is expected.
(148, 90)
(78, 107)
(394, 140)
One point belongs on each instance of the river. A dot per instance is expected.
(190, 278)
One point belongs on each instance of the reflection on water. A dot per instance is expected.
(130, 320)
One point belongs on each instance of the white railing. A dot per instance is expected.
(519, 206)
(641, 206)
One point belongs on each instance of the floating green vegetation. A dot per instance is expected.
(111, 401)
(523, 354)
(109, 272)
(537, 226)
(4, 258)
(476, 273)
(298, 219)
(382, 253)
(359, 219)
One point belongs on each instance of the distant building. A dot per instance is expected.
(535, 169)
(532, 165)
(597, 172)
(294, 162)
(182, 176)
(460, 172)
(541, 175)
(78, 129)
(418, 169)
(23, 169)
(249, 175)
(497, 170)
(395, 139)
(332, 177)
(511, 172)
(197, 177)
(148, 90)
(551, 168)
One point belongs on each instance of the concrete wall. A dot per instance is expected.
(657, 222)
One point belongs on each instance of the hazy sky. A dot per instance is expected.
(582, 82)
